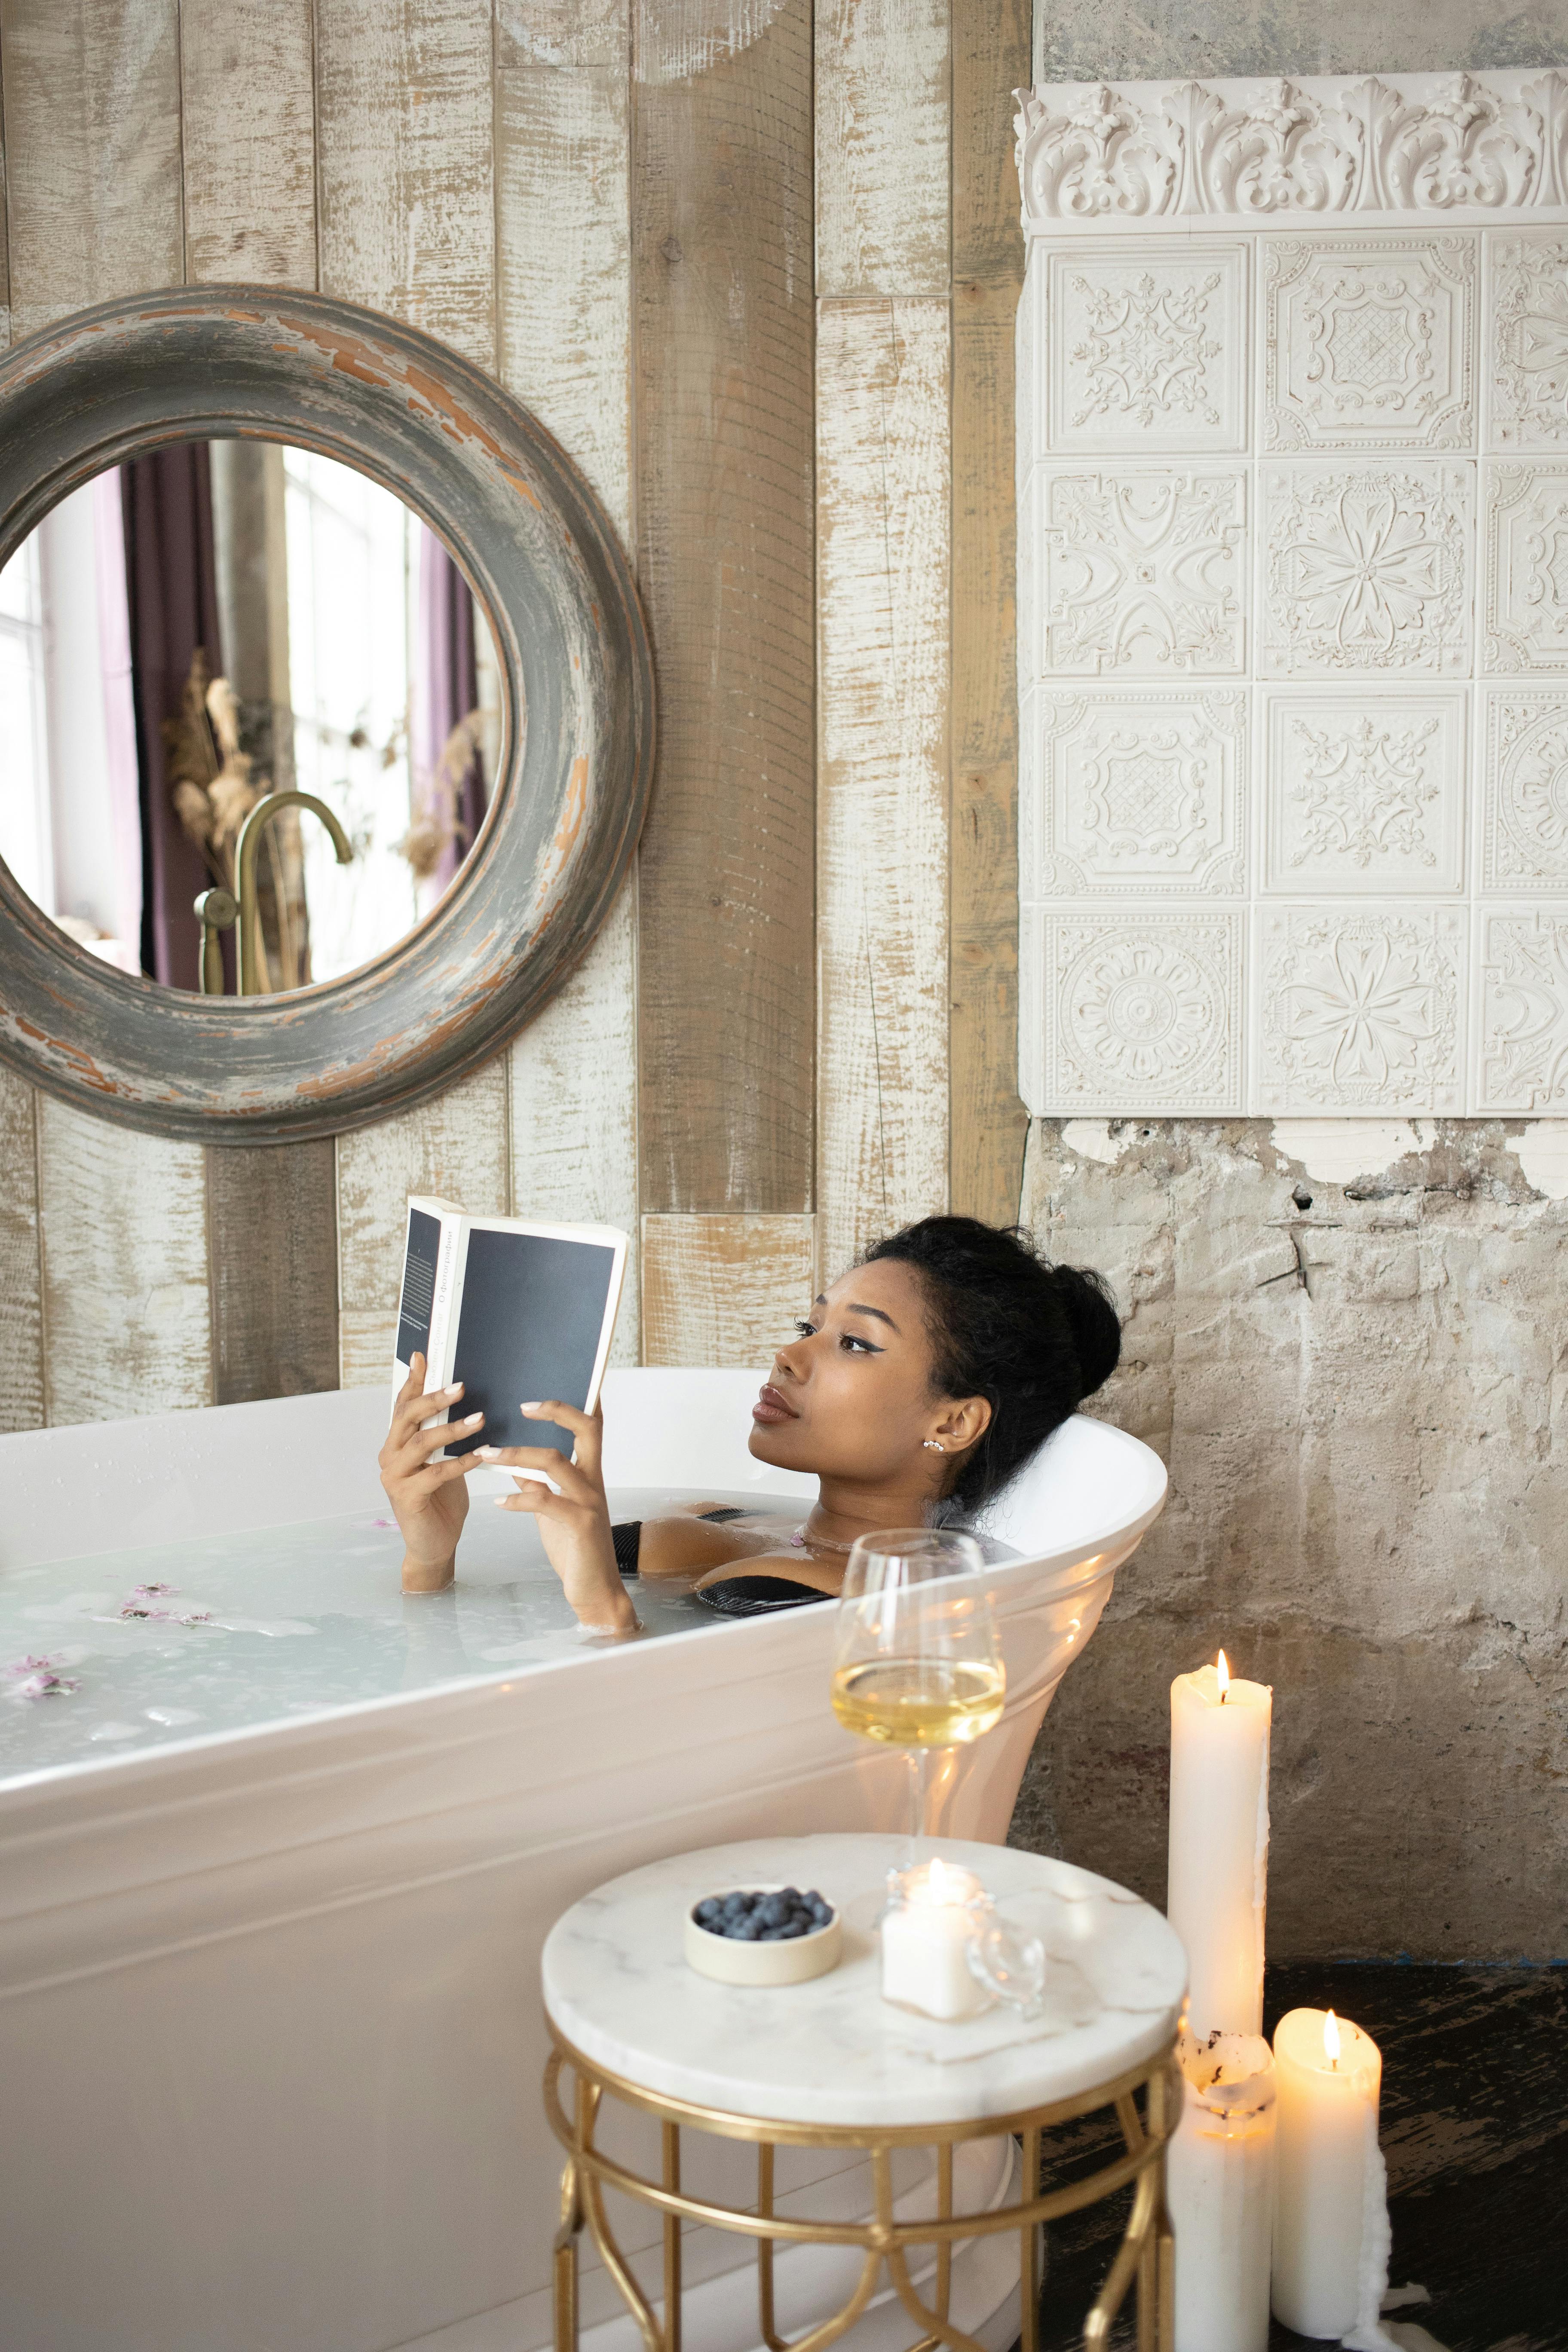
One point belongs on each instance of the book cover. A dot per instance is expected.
(513, 1308)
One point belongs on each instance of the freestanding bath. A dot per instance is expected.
(275, 1875)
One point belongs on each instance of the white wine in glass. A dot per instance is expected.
(917, 1662)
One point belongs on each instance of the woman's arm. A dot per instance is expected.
(574, 1523)
(429, 1500)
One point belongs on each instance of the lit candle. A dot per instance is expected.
(1331, 2212)
(926, 1932)
(1219, 1843)
(1219, 2186)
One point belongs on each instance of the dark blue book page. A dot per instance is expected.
(418, 1285)
(533, 1309)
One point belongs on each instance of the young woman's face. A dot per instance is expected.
(852, 1396)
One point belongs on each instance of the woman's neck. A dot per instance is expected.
(844, 1510)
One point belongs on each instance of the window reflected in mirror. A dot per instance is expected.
(198, 632)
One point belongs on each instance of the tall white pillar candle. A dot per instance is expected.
(1219, 1845)
(1219, 2186)
(1330, 2224)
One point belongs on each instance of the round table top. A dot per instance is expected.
(618, 1987)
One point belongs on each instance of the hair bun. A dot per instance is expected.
(1090, 1310)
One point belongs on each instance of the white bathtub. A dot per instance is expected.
(270, 2038)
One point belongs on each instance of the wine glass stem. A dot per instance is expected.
(917, 1794)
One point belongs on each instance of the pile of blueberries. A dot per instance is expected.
(763, 1918)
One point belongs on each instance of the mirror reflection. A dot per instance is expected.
(191, 636)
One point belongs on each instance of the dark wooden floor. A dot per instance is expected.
(1475, 2130)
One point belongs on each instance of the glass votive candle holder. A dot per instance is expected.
(945, 1954)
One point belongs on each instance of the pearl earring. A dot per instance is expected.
(933, 1446)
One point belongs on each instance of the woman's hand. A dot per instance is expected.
(574, 1523)
(429, 1500)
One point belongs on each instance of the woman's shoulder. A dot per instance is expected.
(706, 1535)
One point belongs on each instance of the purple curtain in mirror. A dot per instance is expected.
(172, 599)
(450, 787)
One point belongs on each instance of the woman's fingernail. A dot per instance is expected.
(471, 1419)
(456, 1389)
(488, 1453)
(534, 1407)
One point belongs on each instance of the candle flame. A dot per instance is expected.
(1223, 1670)
(936, 1885)
(1331, 2038)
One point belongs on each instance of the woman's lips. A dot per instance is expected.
(772, 1407)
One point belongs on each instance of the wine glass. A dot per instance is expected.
(917, 1662)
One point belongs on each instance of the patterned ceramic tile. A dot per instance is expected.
(1367, 342)
(1143, 572)
(1522, 1010)
(1146, 352)
(1141, 1011)
(1524, 791)
(1137, 790)
(1366, 568)
(1526, 616)
(1526, 346)
(1364, 794)
(1360, 1009)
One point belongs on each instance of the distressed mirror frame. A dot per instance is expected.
(112, 382)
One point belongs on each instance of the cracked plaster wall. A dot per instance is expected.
(1359, 1387)
(1361, 1401)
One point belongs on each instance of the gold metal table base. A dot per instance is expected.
(1144, 2256)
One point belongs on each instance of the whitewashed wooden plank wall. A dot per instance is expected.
(471, 166)
(884, 339)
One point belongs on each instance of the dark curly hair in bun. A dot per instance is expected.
(1032, 1337)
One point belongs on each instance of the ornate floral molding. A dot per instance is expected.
(1438, 145)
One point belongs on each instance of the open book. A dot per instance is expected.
(516, 1309)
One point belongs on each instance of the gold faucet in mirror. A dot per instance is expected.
(218, 910)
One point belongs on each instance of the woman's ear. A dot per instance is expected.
(961, 1424)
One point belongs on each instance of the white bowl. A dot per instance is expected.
(729, 1961)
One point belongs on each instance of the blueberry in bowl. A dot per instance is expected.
(763, 1935)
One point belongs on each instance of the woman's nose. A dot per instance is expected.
(787, 1360)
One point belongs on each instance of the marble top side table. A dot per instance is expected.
(829, 2066)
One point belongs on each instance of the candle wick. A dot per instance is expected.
(1222, 1698)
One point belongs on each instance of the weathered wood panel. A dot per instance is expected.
(5, 225)
(882, 113)
(21, 1290)
(457, 1146)
(92, 122)
(990, 1125)
(273, 1235)
(724, 1290)
(247, 122)
(404, 103)
(882, 526)
(92, 129)
(563, 319)
(403, 125)
(122, 1221)
(721, 210)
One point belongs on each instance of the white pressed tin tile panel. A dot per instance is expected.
(1141, 572)
(1145, 350)
(1524, 791)
(1363, 793)
(1526, 579)
(1367, 570)
(1524, 359)
(1293, 552)
(1142, 1010)
(1360, 1008)
(1521, 1009)
(1137, 790)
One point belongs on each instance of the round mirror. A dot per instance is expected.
(196, 630)
(326, 714)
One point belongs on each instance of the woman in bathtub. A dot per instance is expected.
(920, 1382)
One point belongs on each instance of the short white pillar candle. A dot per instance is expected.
(1219, 2186)
(926, 1932)
(1331, 2213)
(1218, 1883)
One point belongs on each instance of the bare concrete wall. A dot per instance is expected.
(1353, 1354)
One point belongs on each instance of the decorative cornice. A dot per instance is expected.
(1283, 153)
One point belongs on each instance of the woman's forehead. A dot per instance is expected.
(886, 1285)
